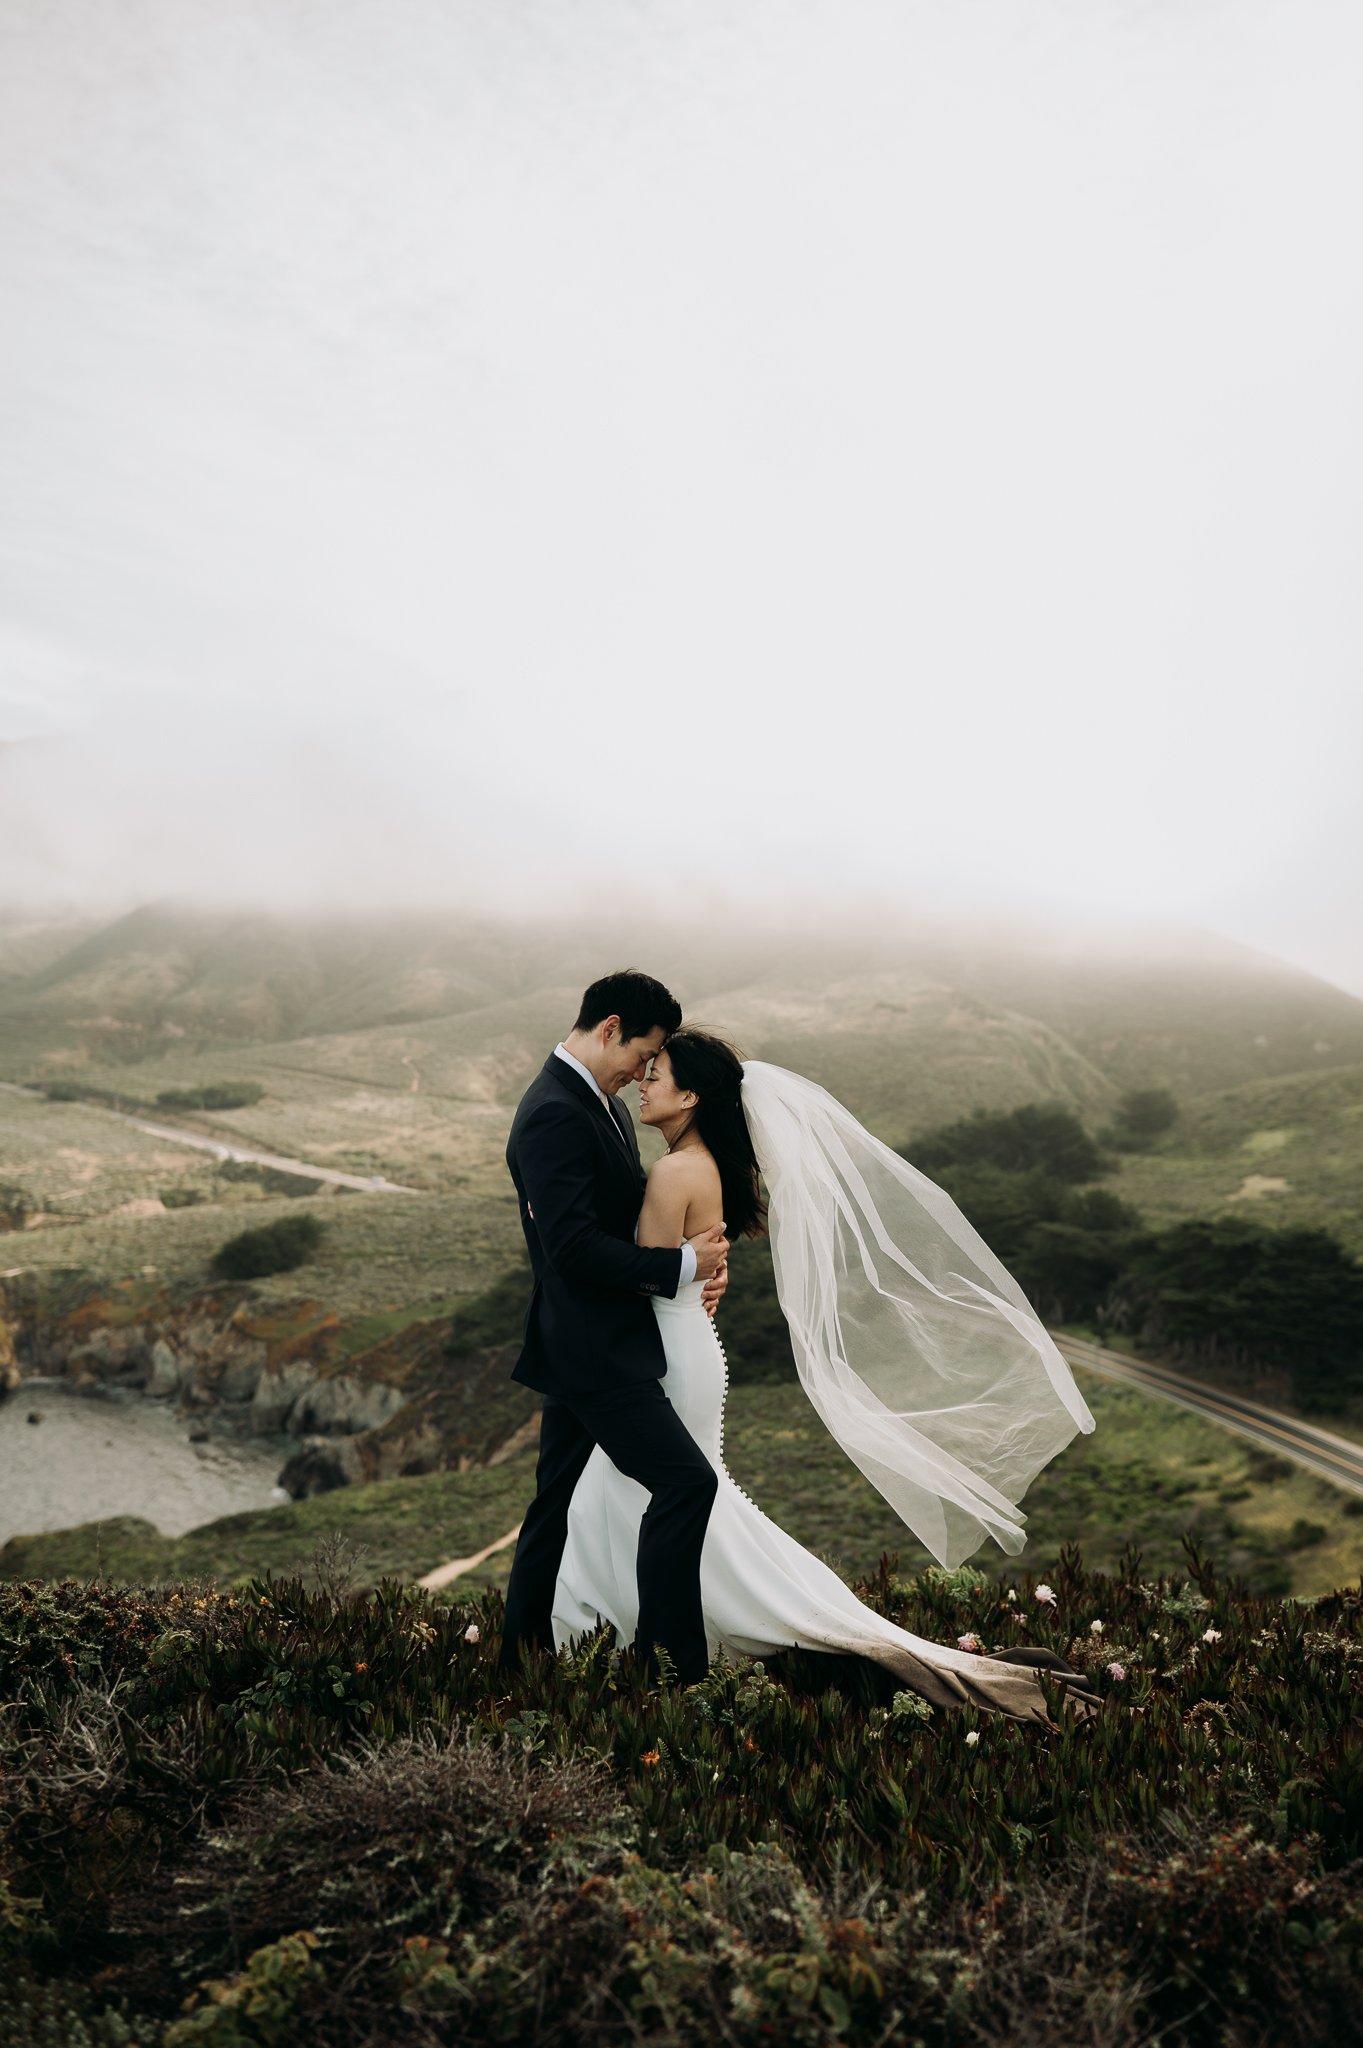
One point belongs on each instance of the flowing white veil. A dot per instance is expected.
(920, 1353)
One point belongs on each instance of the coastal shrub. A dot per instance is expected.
(331, 1815)
(35, 2013)
(276, 1247)
(57, 1638)
(276, 1180)
(409, 1840)
(212, 1095)
(1143, 1114)
(493, 1317)
(1040, 1137)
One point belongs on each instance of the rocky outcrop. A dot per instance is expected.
(342, 1406)
(207, 1351)
(119, 1356)
(469, 1415)
(405, 1405)
(322, 1463)
(163, 1381)
(277, 1393)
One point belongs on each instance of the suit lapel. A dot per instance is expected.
(602, 1113)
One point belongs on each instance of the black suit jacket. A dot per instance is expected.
(589, 1326)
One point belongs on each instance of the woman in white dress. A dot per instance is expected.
(912, 1342)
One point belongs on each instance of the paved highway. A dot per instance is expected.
(1329, 1457)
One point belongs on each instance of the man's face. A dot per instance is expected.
(626, 1059)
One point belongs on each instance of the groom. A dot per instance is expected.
(591, 1341)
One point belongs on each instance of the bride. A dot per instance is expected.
(912, 1342)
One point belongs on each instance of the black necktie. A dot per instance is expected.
(617, 1127)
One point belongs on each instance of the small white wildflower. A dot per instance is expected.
(1011, 1594)
(968, 1641)
(972, 1738)
(1045, 1595)
(1211, 1635)
(1095, 1628)
(1154, 1635)
(471, 1634)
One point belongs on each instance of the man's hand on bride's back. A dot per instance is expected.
(711, 1248)
(714, 1288)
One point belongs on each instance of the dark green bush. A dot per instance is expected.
(493, 1317)
(274, 1248)
(1143, 1114)
(1040, 1137)
(212, 1095)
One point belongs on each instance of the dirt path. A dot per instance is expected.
(444, 1573)
(229, 1148)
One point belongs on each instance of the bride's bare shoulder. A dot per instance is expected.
(692, 1169)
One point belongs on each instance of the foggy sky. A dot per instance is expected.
(515, 453)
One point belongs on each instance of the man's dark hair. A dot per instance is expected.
(640, 1002)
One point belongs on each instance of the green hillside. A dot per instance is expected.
(398, 1046)
(1287, 1150)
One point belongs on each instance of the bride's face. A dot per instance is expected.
(661, 1101)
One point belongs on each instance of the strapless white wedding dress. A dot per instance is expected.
(760, 1590)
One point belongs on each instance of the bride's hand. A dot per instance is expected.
(714, 1288)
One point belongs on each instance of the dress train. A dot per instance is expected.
(761, 1590)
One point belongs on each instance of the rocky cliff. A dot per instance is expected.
(361, 1406)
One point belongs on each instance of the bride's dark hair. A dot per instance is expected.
(709, 1068)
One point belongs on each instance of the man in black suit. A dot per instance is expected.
(591, 1341)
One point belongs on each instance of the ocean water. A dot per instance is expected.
(89, 1459)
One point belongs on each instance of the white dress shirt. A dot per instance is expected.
(688, 1251)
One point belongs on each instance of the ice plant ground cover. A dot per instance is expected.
(280, 1813)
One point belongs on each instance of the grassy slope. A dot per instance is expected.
(1148, 1473)
(379, 1251)
(1302, 1129)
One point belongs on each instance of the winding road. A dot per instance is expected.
(1330, 1457)
(371, 1184)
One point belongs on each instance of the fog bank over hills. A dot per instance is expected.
(397, 1047)
(704, 454)
(1106, 1005)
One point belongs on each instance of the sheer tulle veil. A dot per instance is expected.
(920, 1353)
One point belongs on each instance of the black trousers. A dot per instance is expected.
(643, 1436)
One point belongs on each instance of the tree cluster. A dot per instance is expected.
(1224, 1288)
